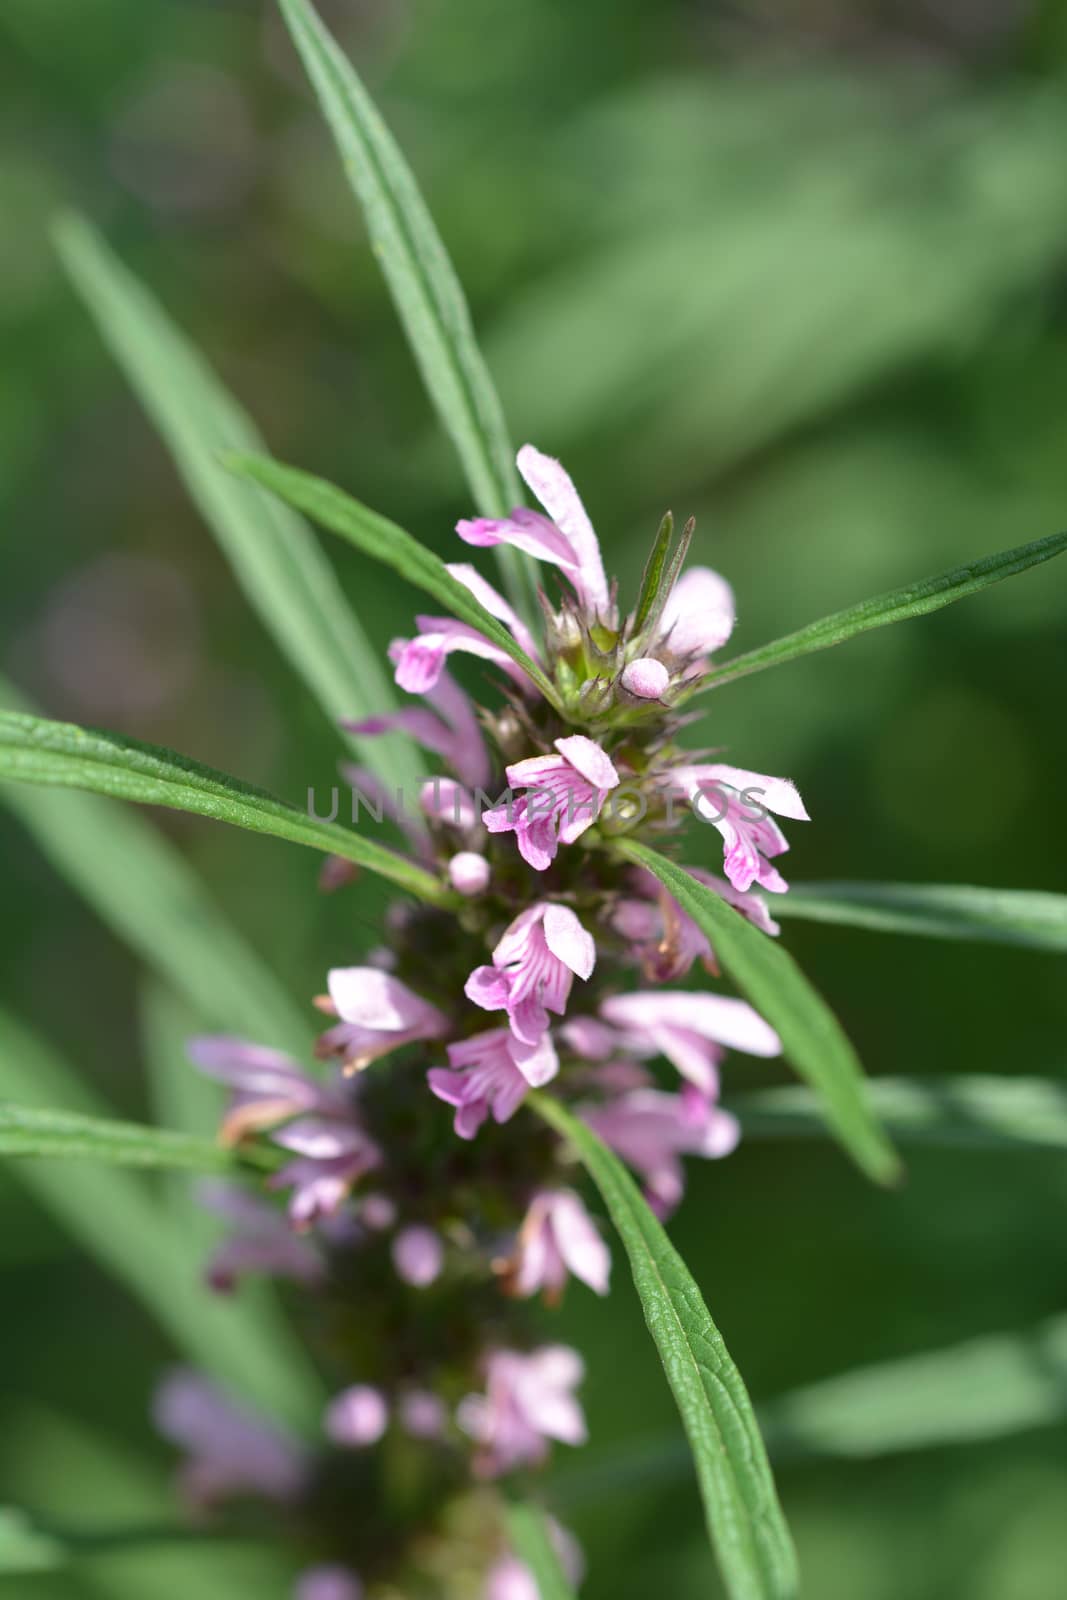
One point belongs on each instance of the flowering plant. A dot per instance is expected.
(538, 1004)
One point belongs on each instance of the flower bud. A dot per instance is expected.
(646, 678)
(357, 1416)
(468, 873)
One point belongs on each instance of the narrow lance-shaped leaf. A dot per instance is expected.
(983, 1388)
(528, 1529)
(143, 889)
(652, 577)
(1030, 917)
(914, 600)
(274, 555)
(37, 1131)
(977, 1389)
(33, 750)
(384, 541)
(29, 1544)
(422, 281)
(117, 1219)
(811, 1036)
(745, 1521)
(970, 1112)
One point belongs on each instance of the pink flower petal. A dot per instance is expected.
(494, 603)
(553, 487)
(699, 614)
(568, 941)
(538, 1063)
(586, 757)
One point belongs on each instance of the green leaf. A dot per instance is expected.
(141, 886)
(935, 910)
(274, 555)
(973, 1112)
(32, 1131)
(744, 1519)
(422, 281)
(528, 1530)
(652, 577)
(386, 542)
(24, 1547)
(34, 750)
(978, 1389)
(121, 1222)
(914, 600)
(982, 1388)
(811, 1036)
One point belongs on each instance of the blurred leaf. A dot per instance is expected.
(191, 1102)
(936, 910)
(972, 1111)
(116, 1218)
(744, 1519)
(977, 1389)
(982, 1388)
(25, 1548)
(34, 750)
(914, 600)
(274, 555)
(81, 1476)
(422, 281)
(381, 539)
(139, 884)
(180, 1098)
(30, 1131)
(811, 1035)
(530, 1535)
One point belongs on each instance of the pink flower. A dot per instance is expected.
(357, 1417)
(699, 615)
(565, 537)
(491, 1073)
(322, 1127)
(528, 1401)
(664, 939)
(691, 1030)
(378, 1014)
(534, 965)
(736, 802)
(262, 1241)
(494, 603)
(418, 1255)
(451, 729)
(558, 1237)
(328, 1583)
(446, 801)
(568, 792)
(267, 1086)
(420, 661)
(230, 1452)
(651, 1131)
(331, 1156)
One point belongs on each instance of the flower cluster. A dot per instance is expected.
(520, 979)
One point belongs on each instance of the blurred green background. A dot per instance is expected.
(798, 267)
